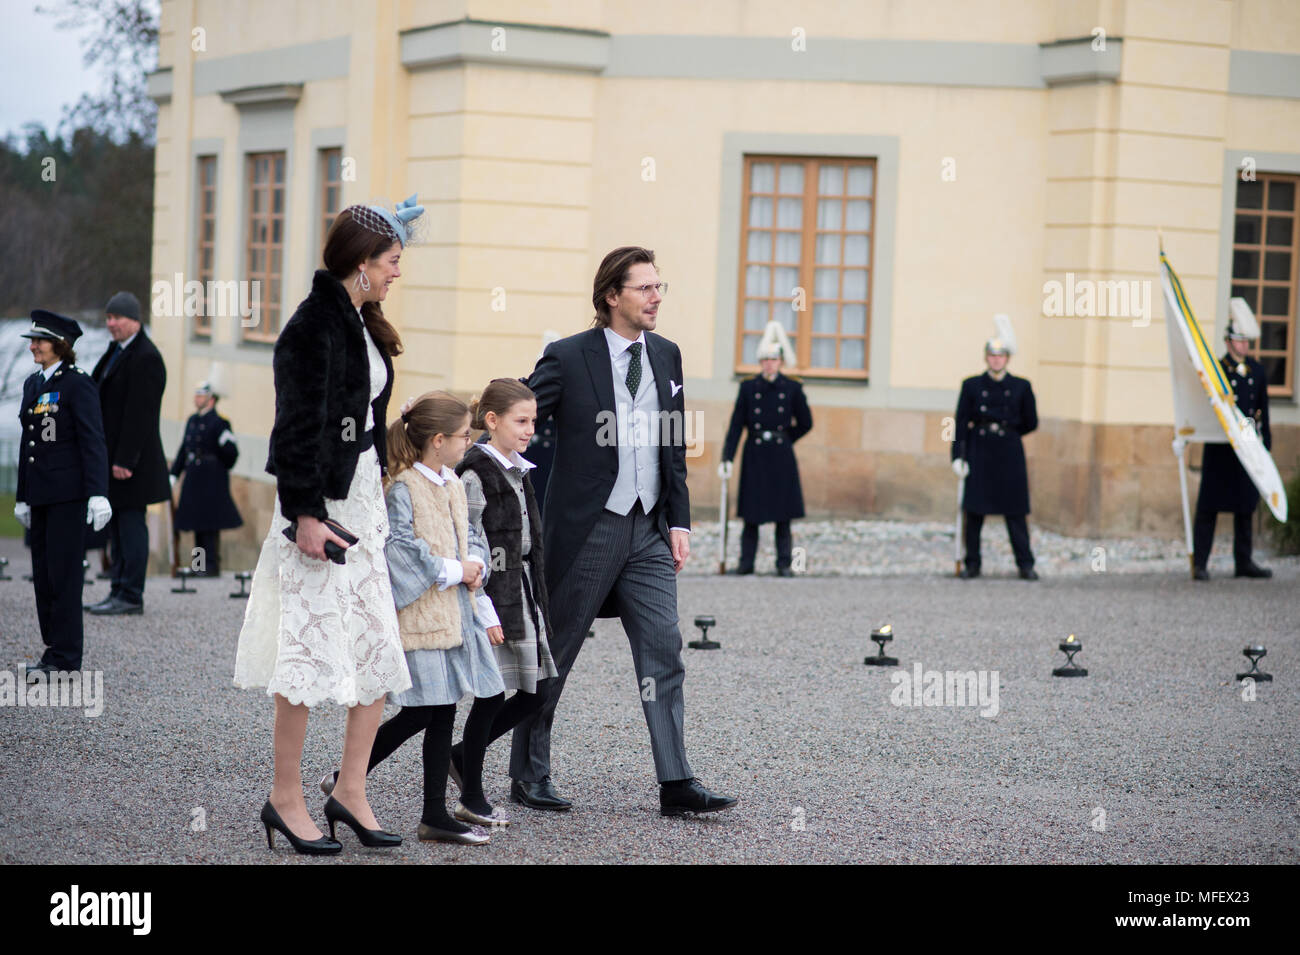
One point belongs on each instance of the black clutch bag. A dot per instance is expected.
(332, 550)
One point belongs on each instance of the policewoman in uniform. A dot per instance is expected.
(993, 411)
(207, 453)
(62, 483)
(1225, 485)
(774, 410)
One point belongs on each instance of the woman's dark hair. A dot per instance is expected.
(499, 397)
(63, 351)
(347, 244)
(612, 274)
(431, 414)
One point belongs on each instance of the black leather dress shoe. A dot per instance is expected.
(969, 573)
(117, 607)
(1253, 570)
(539, 795)
(1200, 573)
(40, 671)
(679, 798)
(740, 571)
(784, 572)
(1028, 573)
(100, 605)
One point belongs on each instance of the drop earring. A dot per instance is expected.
(362, 281)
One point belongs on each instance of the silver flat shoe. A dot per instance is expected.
(475, 837)
(496, 818)
(327, 782)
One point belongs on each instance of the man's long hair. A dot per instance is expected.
(612, 274)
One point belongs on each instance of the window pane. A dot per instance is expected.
(853, 319)
(256, 261)
(857, 250)
(276, 258)
(859, 180)
(205, 261)
(858, 215)
(1279, 231)
(792, 179)
(789, 213)
(757, 315)
(1274, 369)
(824, 319)
(788, 247)
(758, 280)
(749, 350)
(828, 249)
(207, 230)
(855, 285)
(274, 297)
(1277, 266)
(830, 182)
(828, 213)
(760, 246)
(1276, 300)
(277, 200)
(823, 353)
(788, 318)
(1281, 195)
(852, 353)
(279, 169)
(257, 200)
(334, 163)
(1245, 264)
(784, 282)
(762, 177)
(1250, 195)
(207, 201)
(1272, 336)
(1247, 230)
(277, 228)
(760, 212)
(1250, 293)
(826, 283)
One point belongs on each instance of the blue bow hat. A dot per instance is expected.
(401, 219)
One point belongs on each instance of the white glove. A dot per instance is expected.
(23, 514)
(724, 470)
(173, 480)
(960, 467)
(98, 512)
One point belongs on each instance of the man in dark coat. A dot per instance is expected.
(616, 522)
(131, 378)
(775, 411)
(993, 411)
(62, 483)
(207, 453)
(1225, 485)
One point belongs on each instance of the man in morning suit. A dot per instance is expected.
(616, 522)
(131, 378)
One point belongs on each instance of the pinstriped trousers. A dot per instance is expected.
(626, 555)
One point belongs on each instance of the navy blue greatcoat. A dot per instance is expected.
(776, 414)
(991, 417)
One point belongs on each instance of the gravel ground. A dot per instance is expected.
(785, 716)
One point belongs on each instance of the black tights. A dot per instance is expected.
(489, 719)
(437, 722)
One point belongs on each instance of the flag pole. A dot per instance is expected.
(1180, 452)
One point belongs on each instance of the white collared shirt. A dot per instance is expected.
(49, 372)
(516, 460)
(122, 345)
(453, 572)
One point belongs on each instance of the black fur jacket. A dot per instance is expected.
(322, 383)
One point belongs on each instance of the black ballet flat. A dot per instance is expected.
(371, 838)
(315, 847)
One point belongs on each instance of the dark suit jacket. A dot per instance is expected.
(574, 382)
(130, 396)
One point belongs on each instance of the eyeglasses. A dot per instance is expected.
(661, 288)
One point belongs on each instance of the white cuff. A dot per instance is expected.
(684, 530)
(452, 573)
(487, 613)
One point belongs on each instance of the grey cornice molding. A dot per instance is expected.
(1074, 61)
(298, 64)
(158, 85)
(526, 44)
(1254, 73)
(280, 94)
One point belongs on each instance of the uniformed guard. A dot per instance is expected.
(207, 453)
(774, 410)
(62, 484)
(994, 410)
(1225, 485)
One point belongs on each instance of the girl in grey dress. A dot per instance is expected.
(437, 563)
(503, 509)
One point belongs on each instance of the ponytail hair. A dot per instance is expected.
(431, 414)
(498, 397)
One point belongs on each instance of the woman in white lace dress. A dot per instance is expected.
(317, 629)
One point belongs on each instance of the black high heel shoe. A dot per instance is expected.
(315, 847)
(371, 838)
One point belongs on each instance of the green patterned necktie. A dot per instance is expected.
(634, 368)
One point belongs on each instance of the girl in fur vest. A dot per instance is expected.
(503, 509)
(436, 561)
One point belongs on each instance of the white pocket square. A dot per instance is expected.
(676, 387)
